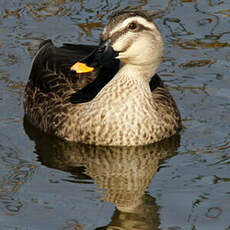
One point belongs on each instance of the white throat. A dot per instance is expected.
(137, 72)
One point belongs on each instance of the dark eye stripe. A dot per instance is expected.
(139, 27)
(118, 34)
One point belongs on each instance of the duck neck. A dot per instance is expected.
(129, 85)
(137, 72)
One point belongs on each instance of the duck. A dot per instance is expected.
(121, 101)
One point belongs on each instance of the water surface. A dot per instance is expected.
(182, 183)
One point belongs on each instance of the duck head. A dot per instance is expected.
(131, 37)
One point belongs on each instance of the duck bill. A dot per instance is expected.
(105, 53)
(100, 57)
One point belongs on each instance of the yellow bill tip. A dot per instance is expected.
(80, 67)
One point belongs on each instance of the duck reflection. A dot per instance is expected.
(122, 174)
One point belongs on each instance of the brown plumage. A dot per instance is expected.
(123, 102)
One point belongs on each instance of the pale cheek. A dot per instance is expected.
(148, 48)
(118, 45)
(144, 50)
(122, 43)
(140, 50)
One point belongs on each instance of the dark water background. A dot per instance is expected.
(180, 185)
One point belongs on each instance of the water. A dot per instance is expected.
(180, 184)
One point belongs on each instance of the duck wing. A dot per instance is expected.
(50, 72)
(88, 92)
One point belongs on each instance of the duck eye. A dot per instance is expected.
(132, 26)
